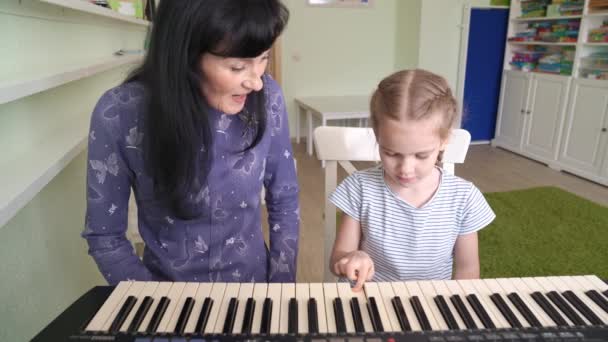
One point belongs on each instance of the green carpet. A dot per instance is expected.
(544, 231)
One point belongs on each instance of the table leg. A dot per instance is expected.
(310, 133)
(298, 115)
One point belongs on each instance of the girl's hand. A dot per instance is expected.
(356, 266)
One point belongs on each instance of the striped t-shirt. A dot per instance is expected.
(405, 242)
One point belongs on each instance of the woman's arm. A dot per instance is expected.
(466, 257)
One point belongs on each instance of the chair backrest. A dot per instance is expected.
(341, 145)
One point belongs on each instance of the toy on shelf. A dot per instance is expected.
(595, 66)
(600, 34)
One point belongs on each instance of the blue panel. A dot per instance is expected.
(485, 53)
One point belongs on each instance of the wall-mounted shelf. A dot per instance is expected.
(25, 84)
(542, 43)
(88, 7)
(516, 20)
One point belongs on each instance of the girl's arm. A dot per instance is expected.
(346, 258)
(466, 257)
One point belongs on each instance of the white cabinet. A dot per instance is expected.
(584, 150)
(531, 113)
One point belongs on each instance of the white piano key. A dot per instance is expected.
(495, 287)
(585, 285)
(139, 290)
(302, 295)
(189, 290)
(259, 295)
(345, 293)
(245, 292)
(442, 289)
(232, 291)
(104, 314)
(134, 290)
(508, 285)
(383, 293)
(316, 292)
(203, 291)
(568, 284)
(330, 292)
(484, 291)
(161, 291)
(288, 291)
(525, 292)
(414, 290)
(599, 284)
(534, 287)
(399, 289)
(217, 294)
(367, 322)
(174, 295)
(469, 288)
(549, 286)
(274, 293)
(428, 291)
(455, 289)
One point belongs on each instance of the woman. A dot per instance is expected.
(197, 131)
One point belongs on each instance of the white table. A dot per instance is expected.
(329, 108)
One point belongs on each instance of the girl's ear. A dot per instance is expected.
(445, 142)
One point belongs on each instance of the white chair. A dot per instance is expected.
(341, 145)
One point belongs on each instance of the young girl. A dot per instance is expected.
(406, 219)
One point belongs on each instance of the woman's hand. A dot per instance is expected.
(356, 266)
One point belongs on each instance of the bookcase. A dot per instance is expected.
(553, 104)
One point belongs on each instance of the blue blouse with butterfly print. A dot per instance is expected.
(224, 244)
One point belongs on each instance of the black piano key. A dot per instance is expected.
(446, 313)
(248, 317)
(463, 312)
(401, 316)
(597, 298)
(480, 311)
(357, 318)
(140, 314)
(124, 311)
(292, 324)
(557, 299)
(548, 308)
(233, 305)
(201, 323)
(582, 307)
(524, 310)
(420, 314)
(374, 314)
(313, 319)
(266, 316)
(158, 315)
(505, 310)
(339, 314)
(605, 293)
(183, 316)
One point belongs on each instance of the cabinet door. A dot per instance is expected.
(512, 106)
(545, 113)
(584, 142)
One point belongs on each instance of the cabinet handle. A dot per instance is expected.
(528, 112)
(523, 111)
(604, 129)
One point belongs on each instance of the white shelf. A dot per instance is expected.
(83, 6)
(24, 177)
(13, 87)
(542, 43)
(595, 44)
(597, 14)
(547, 18)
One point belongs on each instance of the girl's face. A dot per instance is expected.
(409, 151)
(227, 81)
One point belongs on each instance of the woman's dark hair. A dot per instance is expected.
(177, 125)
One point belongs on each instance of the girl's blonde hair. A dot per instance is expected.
(414, 95)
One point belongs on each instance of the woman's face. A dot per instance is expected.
(227, 81)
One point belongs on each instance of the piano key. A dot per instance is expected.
(365, 317)
(231, 291)
(429, 294)
(478, 303)
(302, 295)
(374, 313)
(345, 293)
(274, 293)
(519, 302)
(158, 315)
(552, 292)
(313, 318)
(124, 311)
(446, 313)
(188, 291)
(267, 308)
(288, 291)
(217, 296)
(184, 316)
(569, 283)
(357, 317)
(233, 305)
(247, 316)
(599, 284)
(582, 308)
(161, 291)
(202, 293)
(400, 290)
(259, 295)
(245, 293)
(174, 297)
(404, 322)
(118, 319)
(539, 296)
(135, 319)
(504, 305)
(442, 290)
(383, 292)
(203, 317)
(108, 307)
(340, 316)
(422, 309)
(463, 307)
(330, 293)
(316, 292)
(292, 323)
(525, 293)
(484, 293)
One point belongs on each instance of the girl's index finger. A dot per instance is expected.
(361, 277)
